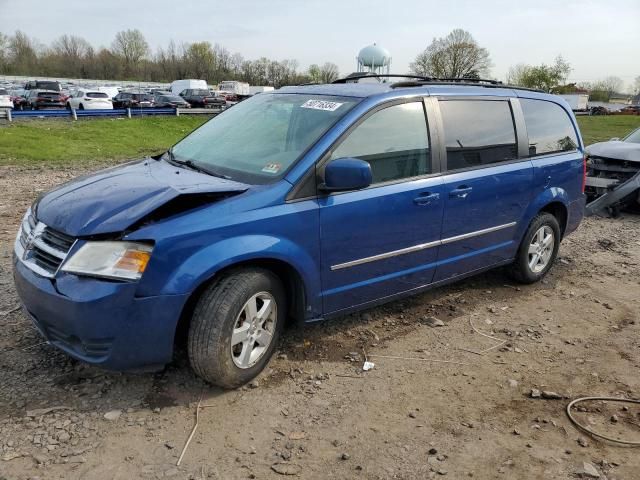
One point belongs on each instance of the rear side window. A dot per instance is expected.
(394, 141)
(478, 132)
(549, 127)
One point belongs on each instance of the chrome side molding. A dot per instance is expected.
(422, 246)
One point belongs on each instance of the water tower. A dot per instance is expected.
(374, 59)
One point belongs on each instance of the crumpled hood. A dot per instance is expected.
(112, 200)
(616, 150)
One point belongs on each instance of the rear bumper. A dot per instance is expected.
(97, 106)
(50, 105)
(100, 322)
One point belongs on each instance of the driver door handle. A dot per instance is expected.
(426, 198)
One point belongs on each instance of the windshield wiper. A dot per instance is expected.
(193, 166)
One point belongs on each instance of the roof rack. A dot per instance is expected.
(379, 75)
(420, 81)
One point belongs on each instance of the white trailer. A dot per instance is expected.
(577, 101)
(254, 90)
(178, 86)
(239, 89)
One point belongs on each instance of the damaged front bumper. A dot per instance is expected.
(611, 185)
(100, 322)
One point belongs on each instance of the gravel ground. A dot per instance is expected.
(441, 411)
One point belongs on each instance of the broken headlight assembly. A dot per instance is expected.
(118, 260)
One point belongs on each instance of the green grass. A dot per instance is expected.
(88, 142)
(599, 129)
(56, 142)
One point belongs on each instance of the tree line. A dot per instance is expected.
(457, 55)
(130, 58)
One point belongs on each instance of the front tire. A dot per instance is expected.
(538, 249)
(236, 326)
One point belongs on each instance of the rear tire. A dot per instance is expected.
(538, 249)
(81, 107)
(247, 307)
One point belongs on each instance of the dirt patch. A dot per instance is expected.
(441, 411)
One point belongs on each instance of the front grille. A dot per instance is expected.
(41, 248)
(57, 240)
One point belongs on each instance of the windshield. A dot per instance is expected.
(257, 140)
(171, 99)
(633, 137)
(201, 92)
(96, 95)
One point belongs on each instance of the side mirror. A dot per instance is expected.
(346, 174)
(614, 139)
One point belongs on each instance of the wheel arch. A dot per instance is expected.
(560, 211)
(291, 279)
(552, 200)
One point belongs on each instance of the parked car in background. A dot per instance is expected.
(18, 97)
(171, 101)
(613, 174)
(89, 100)
(159, 91)
(50, 85)
(178, 86)
(630, 110)
(5, 99)
(133, 100)
(599, 110)
(306, 203)
(41, 99)
(203, 98)
(109, 90)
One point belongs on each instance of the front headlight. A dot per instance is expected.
(118, 260)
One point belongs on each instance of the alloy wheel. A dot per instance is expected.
(541, 249)
(254, 329)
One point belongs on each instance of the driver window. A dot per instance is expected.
(394, 141)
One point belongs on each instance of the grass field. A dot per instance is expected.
(55, 142)
(599, 129)
(90, 141)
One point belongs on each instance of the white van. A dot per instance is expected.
(178, 86)
(240, 89)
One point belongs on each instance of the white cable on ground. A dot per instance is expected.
(591, 432)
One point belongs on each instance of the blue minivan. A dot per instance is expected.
(306, 203)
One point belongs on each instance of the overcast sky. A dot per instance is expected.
(598, 38)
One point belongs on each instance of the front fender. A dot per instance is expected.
(544, 198)
(205, 263)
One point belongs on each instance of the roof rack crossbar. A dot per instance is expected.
(378, 75)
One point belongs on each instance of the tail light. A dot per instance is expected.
(585, 159)
(204, 100)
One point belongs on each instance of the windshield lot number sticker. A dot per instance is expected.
(322, 105)
(272, 168)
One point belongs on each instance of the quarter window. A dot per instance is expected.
(549, 127)
(394, 141)
(478, 132)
